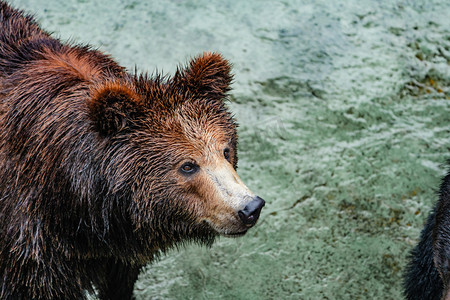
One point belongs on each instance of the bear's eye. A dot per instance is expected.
(188, 168)
(226, 154)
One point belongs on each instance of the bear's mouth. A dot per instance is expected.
(227, 232)
(235, 234)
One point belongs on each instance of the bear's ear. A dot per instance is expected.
(113, 107)
(207, 75)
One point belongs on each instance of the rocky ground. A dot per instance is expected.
(344, 114)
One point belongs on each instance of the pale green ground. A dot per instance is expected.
(344, 113)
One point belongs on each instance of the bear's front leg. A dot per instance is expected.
(116, 279)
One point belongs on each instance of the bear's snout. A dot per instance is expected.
(250, 214)
(233, 207)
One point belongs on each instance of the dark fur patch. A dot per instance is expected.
(427, 274)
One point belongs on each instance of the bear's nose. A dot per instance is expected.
(250, 214)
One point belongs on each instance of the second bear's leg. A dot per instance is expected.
(116, 280)
(441, 236)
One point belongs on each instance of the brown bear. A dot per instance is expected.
(101, 170)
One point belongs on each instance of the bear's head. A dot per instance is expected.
(171, 158)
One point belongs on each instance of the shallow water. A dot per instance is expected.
(344, 131)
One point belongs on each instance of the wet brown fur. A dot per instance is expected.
(89, 154)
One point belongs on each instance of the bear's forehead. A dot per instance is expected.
(198, 119)
(203, 133)
(189, 125)
(184, 136)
